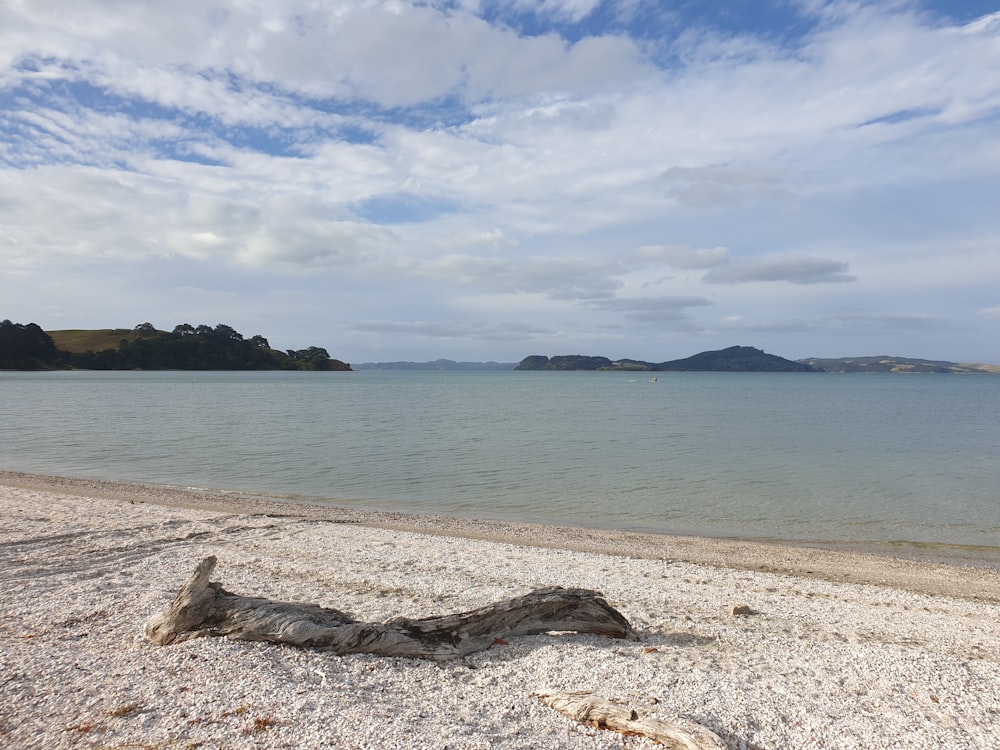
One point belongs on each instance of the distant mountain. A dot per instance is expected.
(733, 359)
(897, 365)
(736, 359)
(438, 364)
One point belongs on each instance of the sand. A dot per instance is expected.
(843, 650)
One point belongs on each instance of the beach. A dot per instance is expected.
(840, 649)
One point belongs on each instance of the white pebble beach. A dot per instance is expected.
(840, 650)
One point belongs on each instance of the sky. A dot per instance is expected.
(492, 179)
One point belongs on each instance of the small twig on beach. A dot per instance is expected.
(593, 710)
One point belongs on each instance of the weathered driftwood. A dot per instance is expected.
(202, 607)
(591, 709)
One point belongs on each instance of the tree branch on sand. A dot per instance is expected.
(595, 711)
(203, 608)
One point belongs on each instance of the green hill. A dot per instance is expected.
(77, 341)
(28, 347)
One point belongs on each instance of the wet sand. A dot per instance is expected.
(963, 576)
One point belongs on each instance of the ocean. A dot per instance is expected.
(885, 462)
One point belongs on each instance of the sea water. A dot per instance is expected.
(854, 460)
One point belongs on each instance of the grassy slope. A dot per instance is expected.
(899, 365)
(77, 341)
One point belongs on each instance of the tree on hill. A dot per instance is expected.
(563, 362)
(534, 362)
(313, 358)
(27, 347)
(207, 348)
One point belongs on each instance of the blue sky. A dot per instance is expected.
(490, 179)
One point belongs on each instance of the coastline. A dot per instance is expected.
(949, 576)
(840, 649)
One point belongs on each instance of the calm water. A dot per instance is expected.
(835, 459)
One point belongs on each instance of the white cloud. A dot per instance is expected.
(436, 155)
(569, 10)
(450, 329)
(565, 277)
(893, 322)
(719, 186)
(795, 270)
(212, 58)
(493, 238)
(300, 244)
(655, 310)
(682, 256)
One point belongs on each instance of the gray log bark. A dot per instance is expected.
(203, 608)
(591, 709)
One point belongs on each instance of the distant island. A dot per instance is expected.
(733, 359)
(187, 347)
(899, 365)
(449, 365)
(749, 359)
(28, 347)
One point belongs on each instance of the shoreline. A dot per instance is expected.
(852, 651)
(951, 576)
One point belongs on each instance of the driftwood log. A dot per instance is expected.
(204, 608)
(595, 711)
